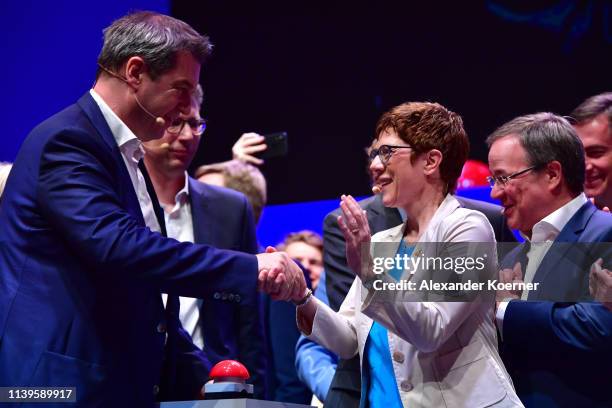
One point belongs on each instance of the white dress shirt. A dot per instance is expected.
(132, 152)
(179, 225)
(543, 235)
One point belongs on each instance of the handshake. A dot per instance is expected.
(280, 277)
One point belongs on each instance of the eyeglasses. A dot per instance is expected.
(384, 153)
(503, 180)
(198, 126)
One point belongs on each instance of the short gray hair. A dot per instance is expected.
(154, 37)
(547, 137)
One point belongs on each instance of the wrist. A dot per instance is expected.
(304, 300)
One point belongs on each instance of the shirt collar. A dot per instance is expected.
(125, 138)
(183, 192)
(181, 198)
(550, 226)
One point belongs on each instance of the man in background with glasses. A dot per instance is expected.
(553, 347)
(220, 324)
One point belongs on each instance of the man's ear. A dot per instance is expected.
(433, 158)
(133, 70)
(554, 174)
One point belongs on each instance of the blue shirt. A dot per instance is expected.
(315, 364)
(378, 385)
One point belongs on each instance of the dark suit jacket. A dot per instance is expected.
(283, 383)
(345, 389)
(559, 354)
(81, 275)
(223, 218)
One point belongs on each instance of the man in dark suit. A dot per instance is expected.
(212, 215)
(81, 262)
(345, 389)
(556, 349)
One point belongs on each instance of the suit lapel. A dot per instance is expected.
(93, 113)
(570, 234)
(202, 228)
(159, 211)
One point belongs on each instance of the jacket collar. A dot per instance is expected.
(577, 224)
(92, 111)
(447, 207)
(570, 233)
(198, 195)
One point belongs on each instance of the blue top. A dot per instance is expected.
(378, 385)
(315, 364)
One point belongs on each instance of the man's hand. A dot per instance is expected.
(600, 284)
(279, 276)
(508, 275)
(246, 146)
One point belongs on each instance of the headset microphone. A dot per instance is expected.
(376, 189)
(158, 119)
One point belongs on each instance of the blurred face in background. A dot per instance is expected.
(596, 137)
(310, 257)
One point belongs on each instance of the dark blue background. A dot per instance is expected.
(49, 53)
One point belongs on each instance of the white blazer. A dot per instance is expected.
(444, 353)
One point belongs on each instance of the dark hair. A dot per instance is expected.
(156, 38)
(547, 137)
(594, 106)
(426, 126)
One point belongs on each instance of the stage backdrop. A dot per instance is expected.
(324, 72)
(49, 53)
(324, 75)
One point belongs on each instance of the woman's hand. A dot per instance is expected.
(354, 226)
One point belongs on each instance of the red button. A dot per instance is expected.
(229, 368)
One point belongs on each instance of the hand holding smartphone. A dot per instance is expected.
(277, 145)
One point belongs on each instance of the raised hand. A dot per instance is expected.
(508, 275)
(249, 144)
(600, 284)
(354, 226)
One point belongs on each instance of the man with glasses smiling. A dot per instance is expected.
(205, 214)
(553, 347)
